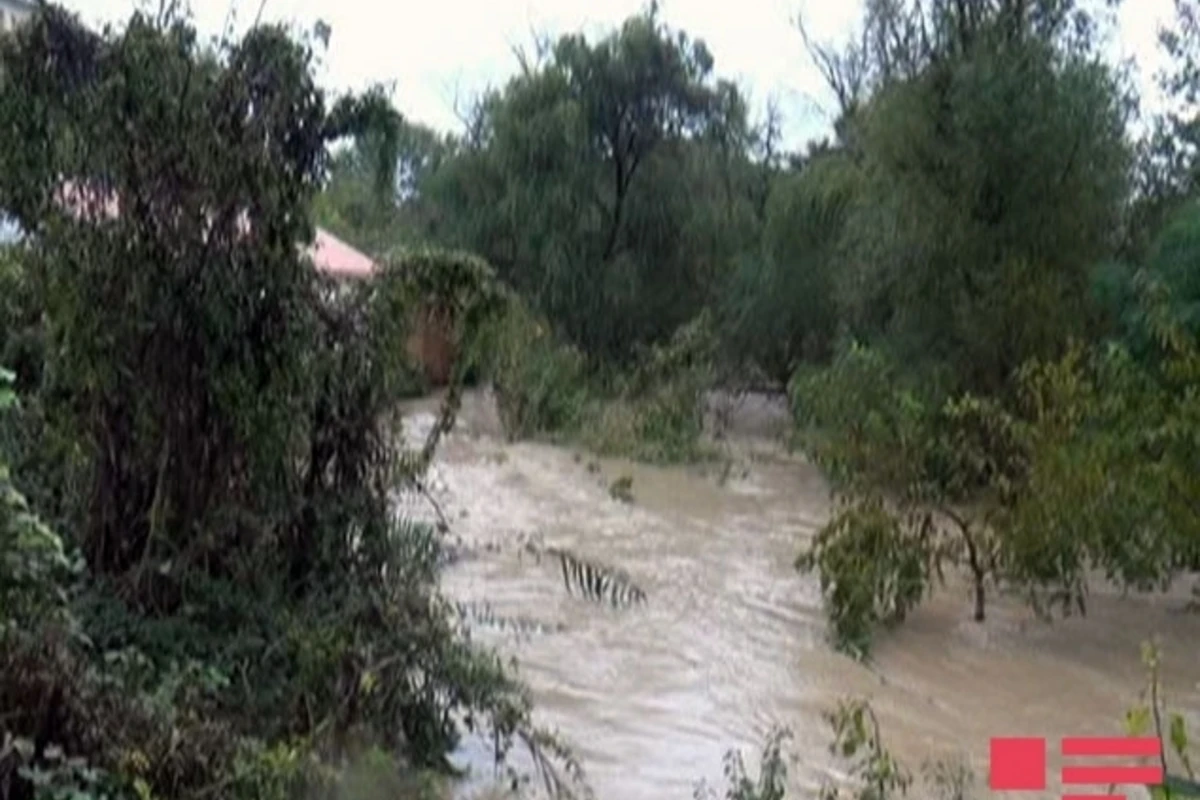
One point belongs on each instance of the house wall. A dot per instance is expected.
(431, 344)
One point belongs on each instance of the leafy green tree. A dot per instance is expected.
(922, 474)
(992, 149)
(1090, 467)
(781, 304)
(377, 216)
(1167, 169)
(606, 186)
(167, 367)
(1114, 440)
(1173, 259)
(989, 174)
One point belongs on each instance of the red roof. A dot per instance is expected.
(328, 253)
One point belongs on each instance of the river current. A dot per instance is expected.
(731, 639)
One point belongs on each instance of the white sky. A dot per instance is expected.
(433, 51)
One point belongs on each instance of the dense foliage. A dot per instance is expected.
(982, 293)
(225, 602)
(1016, 397)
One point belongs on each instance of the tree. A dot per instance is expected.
(781, 302)
(157, 359)
(991, 146)
(606, 185)
(1113, 484)
(1168, 168)
(990, 167)
(922, 473)
(1089, 466)
(378, 216)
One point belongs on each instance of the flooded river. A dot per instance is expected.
(731, 638)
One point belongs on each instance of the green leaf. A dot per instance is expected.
(1137, 721)
(1178, 734)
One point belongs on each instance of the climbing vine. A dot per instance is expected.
(254, 616)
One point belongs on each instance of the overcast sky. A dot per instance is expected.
(435, 51)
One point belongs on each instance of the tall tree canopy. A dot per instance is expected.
(599, 184)
(990, 140)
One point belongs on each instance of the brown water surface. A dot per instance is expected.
(731, 639)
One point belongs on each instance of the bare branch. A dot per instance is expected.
(470, 117)
(845, 73)
(543, 45)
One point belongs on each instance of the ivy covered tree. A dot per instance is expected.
(157, 359)
(212, 423)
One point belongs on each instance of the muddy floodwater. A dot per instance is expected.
(731, 639)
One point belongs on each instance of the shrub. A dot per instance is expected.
(539, 381)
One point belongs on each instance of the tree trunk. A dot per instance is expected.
(979, 598)
(978, 573)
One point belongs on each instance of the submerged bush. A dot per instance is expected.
(922, 477)
(655, 412)
(539, 381)
(1086, 464)
(652, 412)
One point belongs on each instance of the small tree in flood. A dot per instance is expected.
(920, 479)
(1113, 483)
(1090, 466)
